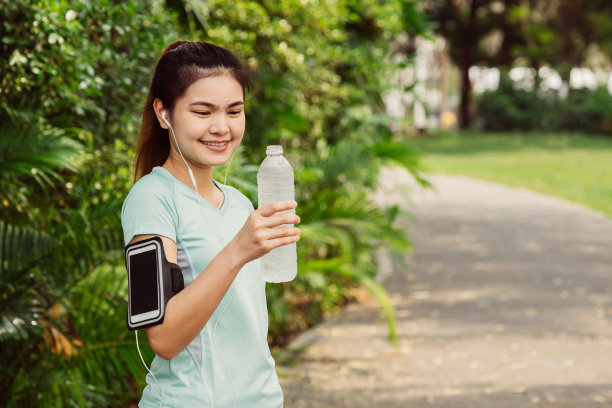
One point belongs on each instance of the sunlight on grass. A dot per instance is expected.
(571, 166)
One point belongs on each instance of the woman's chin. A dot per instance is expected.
(215, 161)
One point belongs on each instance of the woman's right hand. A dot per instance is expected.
(261, 232)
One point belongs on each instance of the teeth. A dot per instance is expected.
(215, 143)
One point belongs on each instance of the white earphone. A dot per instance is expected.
(163, 115)
(195, 185)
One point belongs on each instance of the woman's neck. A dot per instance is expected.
(203, 177)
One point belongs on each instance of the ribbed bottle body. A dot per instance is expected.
(275, 182)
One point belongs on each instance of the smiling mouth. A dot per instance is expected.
(218, 144)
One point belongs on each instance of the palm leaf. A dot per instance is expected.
(21, 248)
(400, 153)
(98, 306)
(28, 148)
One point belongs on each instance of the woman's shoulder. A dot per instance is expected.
(239, 197)
(153, 184)
(150, 189)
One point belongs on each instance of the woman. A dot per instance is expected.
(211, 349)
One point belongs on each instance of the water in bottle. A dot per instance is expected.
(275, 183)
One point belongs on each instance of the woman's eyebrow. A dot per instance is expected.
(213, 106)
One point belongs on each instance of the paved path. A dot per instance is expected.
(506, 303)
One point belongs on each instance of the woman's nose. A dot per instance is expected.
(219, 125)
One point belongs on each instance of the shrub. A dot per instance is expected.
(586, 111)
(509, 109)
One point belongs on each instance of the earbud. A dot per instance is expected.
(164, 118)
(195, 185)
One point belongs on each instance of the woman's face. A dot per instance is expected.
(208, 120)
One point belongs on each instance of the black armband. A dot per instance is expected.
(152, 281)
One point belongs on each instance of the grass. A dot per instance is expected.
(572, 166)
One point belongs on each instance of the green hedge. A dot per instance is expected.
(508, 109)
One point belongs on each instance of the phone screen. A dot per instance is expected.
(143, 282)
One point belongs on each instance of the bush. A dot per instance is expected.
(586, 111)
(509, 109)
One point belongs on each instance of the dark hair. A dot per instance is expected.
(181, 64)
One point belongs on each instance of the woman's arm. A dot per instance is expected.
(188, 311)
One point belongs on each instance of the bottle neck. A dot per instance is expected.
(274, 150)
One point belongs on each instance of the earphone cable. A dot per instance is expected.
(222, 240)
(227, 371)
(161, 393)
(228, 167)
(182, 157)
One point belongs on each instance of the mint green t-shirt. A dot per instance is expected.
(231, 352)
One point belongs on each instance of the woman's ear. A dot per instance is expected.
(158, 107)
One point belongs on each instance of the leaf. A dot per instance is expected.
(27, 148)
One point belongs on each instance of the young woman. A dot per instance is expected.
(211, 349)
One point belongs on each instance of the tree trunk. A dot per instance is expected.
(465, 114)
(469, 43)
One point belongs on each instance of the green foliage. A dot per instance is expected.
(31, 150)
(41, 271)
(340, 227)
(319, 73)
(507, 109)
(562, 34)
(310, 62)
(85, 64)
(73, 77)
(61, 312)
(586, 111)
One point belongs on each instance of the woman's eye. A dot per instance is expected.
(235, 113)
(203, 113)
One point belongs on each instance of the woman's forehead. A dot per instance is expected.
(215, 88)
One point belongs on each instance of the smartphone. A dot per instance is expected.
(144, 267)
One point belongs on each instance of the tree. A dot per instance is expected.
(465, 25)
(561, 33)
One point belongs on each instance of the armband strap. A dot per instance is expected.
(152, 282)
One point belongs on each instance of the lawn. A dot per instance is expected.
(572, 166)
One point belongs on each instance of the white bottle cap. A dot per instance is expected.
(274, 149)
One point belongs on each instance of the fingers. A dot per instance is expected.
(281, 232)
(267, 239)
(267, 228)
(280, 219)
(278, 213)
(277, 242)
(278, 206)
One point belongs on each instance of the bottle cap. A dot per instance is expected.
(274, 149)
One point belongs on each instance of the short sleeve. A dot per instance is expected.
(149, 208)
(241, 197)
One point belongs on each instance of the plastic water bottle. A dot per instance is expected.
(275, 183)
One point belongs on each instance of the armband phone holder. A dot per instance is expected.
(152, 281)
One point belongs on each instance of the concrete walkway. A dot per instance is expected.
(506, 303)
